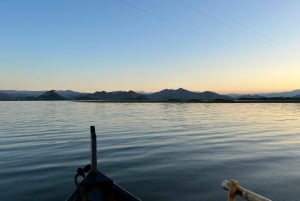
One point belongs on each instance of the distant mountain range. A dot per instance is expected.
(50, 95)
(67, 94)
(286, 94)
(5, 97)
(113, 96)
(163, 95)
(183, 94)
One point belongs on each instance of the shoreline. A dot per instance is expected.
(187, 101)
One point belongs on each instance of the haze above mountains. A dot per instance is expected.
(163, 95)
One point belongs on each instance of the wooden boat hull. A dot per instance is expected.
(100, 187)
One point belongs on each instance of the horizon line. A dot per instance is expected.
(149, 92)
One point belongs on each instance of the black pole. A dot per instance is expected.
(93, 149)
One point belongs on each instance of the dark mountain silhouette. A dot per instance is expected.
(31, 95)
(6, 97)
(282, 94)
(173, 94)
(209, 95)
(50, 95)
(22, 93)
(163, 95)
(296, 97)
(69, 94)
(117, 95)
(285, 94)
(183, 94)
(250, 97)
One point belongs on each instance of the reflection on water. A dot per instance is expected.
(158, 151)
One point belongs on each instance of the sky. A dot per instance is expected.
(230, 46)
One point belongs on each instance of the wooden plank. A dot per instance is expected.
(234, 189)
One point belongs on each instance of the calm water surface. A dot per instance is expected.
(158, 151)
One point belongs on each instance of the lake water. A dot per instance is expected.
(157, 151)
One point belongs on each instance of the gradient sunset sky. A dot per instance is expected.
(232, 46)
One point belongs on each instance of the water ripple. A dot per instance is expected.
(158, 151)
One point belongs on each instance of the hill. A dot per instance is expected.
(69, 94)
(113, 96)
(50, 95)
(183, 94)
(286, 94)
(22, 93)
(282, 94)
(296, 97)
(6, 97)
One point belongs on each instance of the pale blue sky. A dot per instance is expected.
(223, 46)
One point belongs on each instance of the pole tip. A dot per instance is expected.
(92, 129)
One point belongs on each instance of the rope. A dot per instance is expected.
(81, 172)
